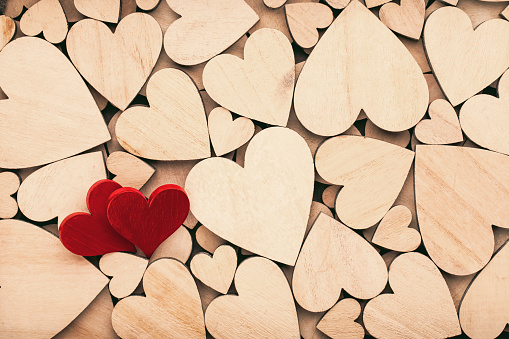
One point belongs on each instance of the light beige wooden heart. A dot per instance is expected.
(371, 171)
(406, 19)
(13, 8)
(174, 127)
(171, 309)
(421, 306)
(126, 270)
(216, 271)
(51, 115)
(485, 119)
(130, 171)
(60, 188)
(334, 258)
(148, 5)
(102, 10)
(9, 184)
(116, 64)
(48, 17)
(226, 134)
(393, 232)
(177, 246)
(452, 46)
(264, 307)
(259, 87)
(7, 30)
(208, 240)
(339, 322)
(258, 207)
(304, 19)
(334, 86)
(274, 3)
(44, 286)
(443, 127)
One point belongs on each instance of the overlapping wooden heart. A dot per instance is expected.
(48, 17)
(7, 30)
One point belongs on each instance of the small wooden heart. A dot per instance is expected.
(226, 134)
(48, 17)
(9, 184)
(216, 271)
(443, 127)
(406, 19)
(393, 232)
(126, 271)
(130, 171)
(102, 10)
(339, 322)
(304, 19)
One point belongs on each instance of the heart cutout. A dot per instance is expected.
(119, 65)
(9, 184)
(406, 19)
(264, 307)
(255, 207)
(130, 171)
(339, 322)
(126, 271)
(304, 19)
(393, 232)
(102, 10)
(443, 127)
(227, 134)
(53, 101)
(452, 46)
(48, 17)
(43, 284)
(175, 125)
(7, 30)
(334, 86)
(148, 223)
(171, 309)
(216, 271)
(198, 35)
(259, 87)
(91, 234)
(421, 306)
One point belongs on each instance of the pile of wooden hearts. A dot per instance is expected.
(346, 164)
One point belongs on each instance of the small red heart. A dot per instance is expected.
(148, 223)
(87, 235)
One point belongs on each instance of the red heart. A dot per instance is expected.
(87, 235)
(148, 224)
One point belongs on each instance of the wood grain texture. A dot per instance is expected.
(334, 258)
(334, 86)
(44, 286)
(274, 3)
(443, 127)
(129, 170)
(48, 17)
(148, 5)
(264, 307)
(216, 271)
(126, 271)
(178, 246)
(340, 323)
(102, 10)
(7, 30)
(406, 19)
(208, 240)
(400, 139)
(13, 8)
(9, 184)
(227, 134)
(304, 19)
(394, 232)
(258, 207)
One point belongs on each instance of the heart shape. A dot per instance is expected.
(255, 207)
(102, 10)
(226, 134)
(274, 3)
(488, 291)
(126, 271)
(339, 322)
(351, 264)
(421, 306)
(91, 234)
(304, 19)
(406, 19)
(452, 46)
(450, 179)
(484, 118)
(48, 17)
(393, 232)
(7, 30)
(148, 223)
(443, 127)
(371, 171)
(130, 171)
(334, 85)
(259, 87)
(147, 5)
(171, 309)
(198, 36)
(216, 271)
(9, 184)
(264, 307)
(43, 284)
(175, 125)
(54, 101)
(116, 65)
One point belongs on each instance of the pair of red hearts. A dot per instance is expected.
(121, 217)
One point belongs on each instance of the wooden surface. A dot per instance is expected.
(126, 271)
(216, 271)
(227, 134)
(208, 240)
(148, 5)
(393, 232)
(339, 322)
(178, 246)
(48, 17)
(406, 19)
(7, 30)
(9, 184)
(443, 127)
(304, 19)
(102, 10)
(400, 139)
(129, 170)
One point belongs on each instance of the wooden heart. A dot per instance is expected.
(264, 307)
(206, 28)
(129, 170)
(102, 10)
(451, 179)
(147, 5)
(421, 306)
(216, 271)
(371, 171)
(452, 46)
(484, 118)
(393, 232)
(259, 87)
(274, 3)
(334, 258)
(443, 127)
(208, 240)
(7, 30)
(304, 19)
(339, 322)
(50, 116)
(226, 134)
(171, 309)
(484, 309)
(175, 125)
(48, 17)
(334, 86)
(116, 65)
(126, 271)
(9, 184)
(406, 19)
(44, 286)
(258, 207)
